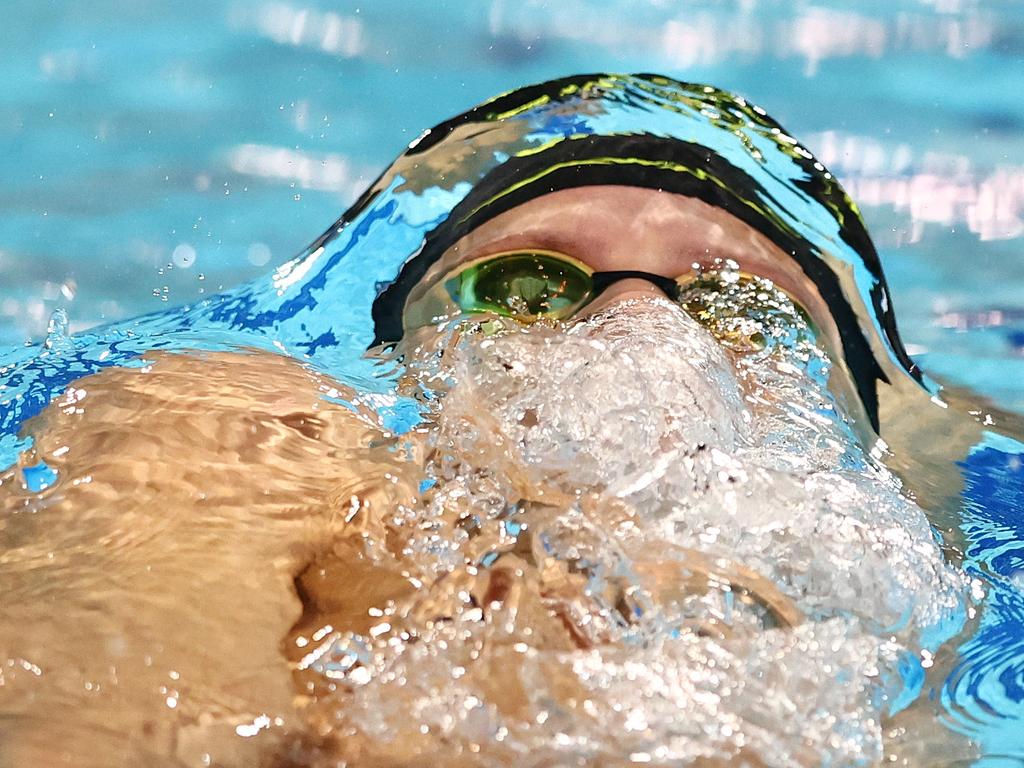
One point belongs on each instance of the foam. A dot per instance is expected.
(648, 540)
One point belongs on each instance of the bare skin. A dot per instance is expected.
(146, 599)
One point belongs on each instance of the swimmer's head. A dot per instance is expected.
(595, 178)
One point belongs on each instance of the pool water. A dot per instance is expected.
(156, 154)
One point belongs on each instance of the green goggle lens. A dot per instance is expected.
(534, 284)
(524, 285)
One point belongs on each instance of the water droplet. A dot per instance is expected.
(183, 256)
(39, 477)
(58, 323)
(258, 254)
(57, 337)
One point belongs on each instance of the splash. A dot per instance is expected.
(644, 540)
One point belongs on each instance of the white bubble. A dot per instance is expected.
(183, 256)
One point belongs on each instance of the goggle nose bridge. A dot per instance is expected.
(602, 281)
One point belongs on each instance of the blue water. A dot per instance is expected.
(155, 153)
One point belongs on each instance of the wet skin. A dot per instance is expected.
(221, 478)
(147, 595)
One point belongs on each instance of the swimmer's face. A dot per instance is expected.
(628, 374)
(627, 377)
(620, 228)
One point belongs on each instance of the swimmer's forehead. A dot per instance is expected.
(615, 227)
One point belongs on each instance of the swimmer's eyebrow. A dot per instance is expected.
(541, 239)
(584, 242)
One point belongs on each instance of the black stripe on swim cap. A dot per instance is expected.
(669, 165)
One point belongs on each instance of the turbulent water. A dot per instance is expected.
(644, 541)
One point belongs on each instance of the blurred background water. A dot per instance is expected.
(156, 151)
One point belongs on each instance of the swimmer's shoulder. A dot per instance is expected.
(231, 425)
(236, 394)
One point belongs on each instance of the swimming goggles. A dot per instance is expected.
(525, 285)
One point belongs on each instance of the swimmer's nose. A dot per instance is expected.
(622, 290)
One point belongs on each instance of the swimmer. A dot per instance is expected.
(638, 521)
